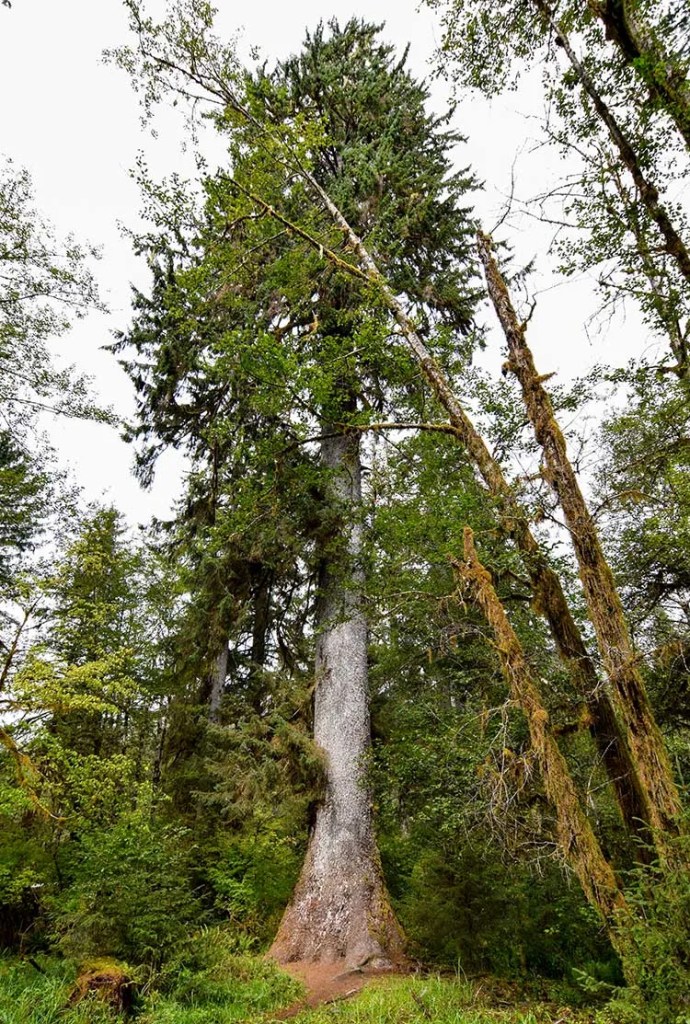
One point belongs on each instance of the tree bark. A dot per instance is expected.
(261, 607)
(605, 608)
(340, 909)
(216, 683)
(578, 843)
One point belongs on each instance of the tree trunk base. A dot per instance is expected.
(340, 916)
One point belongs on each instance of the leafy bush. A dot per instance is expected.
(463, 906)
(131, 893)
(251, 877)
(26, 868)
(657, 963)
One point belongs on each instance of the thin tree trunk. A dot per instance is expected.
(641, 50)
(579, 845)
(648, 192)
(606, 612)
(13, 646)
(261, 599)
(157, 773)
(340, 909)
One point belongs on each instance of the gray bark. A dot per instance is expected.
(340, 909)
(218, 676)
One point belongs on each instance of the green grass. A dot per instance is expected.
(233, 988)
(434, 1000)
(29, 997)
(212, 985)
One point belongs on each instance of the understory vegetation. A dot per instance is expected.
(239, 988)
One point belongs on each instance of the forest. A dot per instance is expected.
(389, 719)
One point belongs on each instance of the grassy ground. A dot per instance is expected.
(227, 989)
(436, 1000)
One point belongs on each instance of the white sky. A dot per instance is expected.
(74, 123)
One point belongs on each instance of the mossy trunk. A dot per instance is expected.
(579, 845)
(340, 909)
(605, 729)
(632, 705)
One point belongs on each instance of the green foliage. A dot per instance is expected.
(645, 497)
(467, 903)
(134, 807)
(605, 225)
(252, 877)
(465, 831)
(24, 490)
(44, 284)
(658, 958)
(643, 482)
(130, 894)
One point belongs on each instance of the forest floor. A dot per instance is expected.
(250, 990)
(387, 998)
(325, 983)
(333, 994)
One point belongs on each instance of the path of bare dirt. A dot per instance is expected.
(327, 983)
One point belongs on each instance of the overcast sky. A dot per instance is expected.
(74, 123)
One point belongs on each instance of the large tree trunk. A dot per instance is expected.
(607, 733)
(340, 909)
(605, 609)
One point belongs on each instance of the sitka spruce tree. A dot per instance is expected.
(285, 357)
(384, 163)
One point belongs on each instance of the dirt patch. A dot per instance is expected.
(327, 983)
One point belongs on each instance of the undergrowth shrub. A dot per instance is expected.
(658, 938)
(251, 878)
(208, 982)
(463, 907)
(130, 894)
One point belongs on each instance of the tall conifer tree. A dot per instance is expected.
(309, 348)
